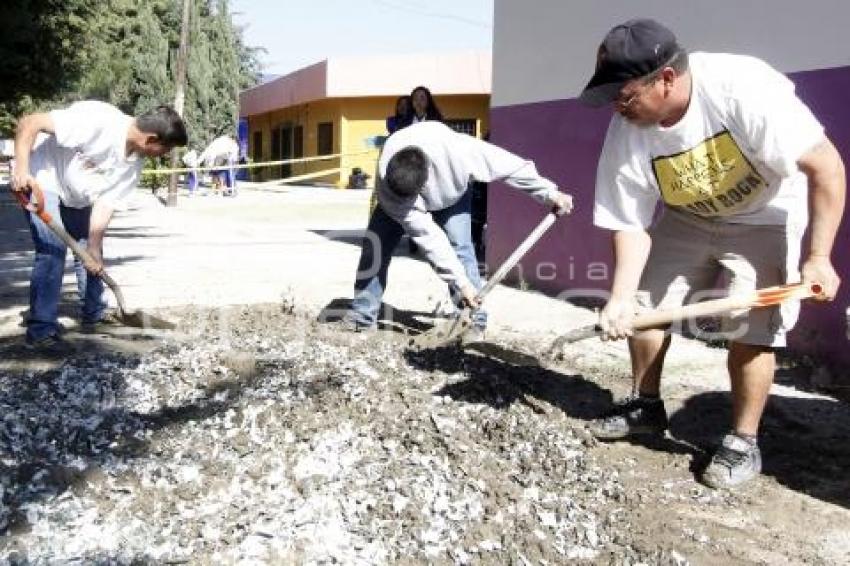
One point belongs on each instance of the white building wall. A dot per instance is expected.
(545, 49)
(468, 72)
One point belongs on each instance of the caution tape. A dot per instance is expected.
(274, 186)
(251, 165)
(295, 179)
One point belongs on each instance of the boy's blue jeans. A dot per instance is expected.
(49, 269)
(382, 236)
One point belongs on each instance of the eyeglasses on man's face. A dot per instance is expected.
(625, 100)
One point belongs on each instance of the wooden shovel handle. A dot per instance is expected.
(25, 201)
(518, 253)
(445, 334)
(759, 298)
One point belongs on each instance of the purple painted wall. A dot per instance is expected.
(564, 139)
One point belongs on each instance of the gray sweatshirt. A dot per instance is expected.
(455, 160)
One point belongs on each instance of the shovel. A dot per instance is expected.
(658, 317)
(453, 330)
(137, 319)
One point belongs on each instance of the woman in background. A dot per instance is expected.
(424, 107)
(401, 118)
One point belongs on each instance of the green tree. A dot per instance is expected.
(128, 58)
(40, 46)
(220, 65)
(123, 52)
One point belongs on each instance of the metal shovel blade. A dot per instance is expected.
(141, 319)
(445, 334)
(453, 331)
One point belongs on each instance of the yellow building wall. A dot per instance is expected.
(364, 123)
(319, 112)
(364, 119)
(357, 124)
(308, 116)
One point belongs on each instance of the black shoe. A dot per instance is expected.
(52, 345)
(631, 416)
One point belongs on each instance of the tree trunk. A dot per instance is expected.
(179, 94)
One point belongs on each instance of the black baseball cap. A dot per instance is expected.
(630, 50)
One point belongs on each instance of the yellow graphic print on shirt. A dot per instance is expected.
(714, 178)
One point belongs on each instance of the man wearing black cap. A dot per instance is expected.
(731, 152)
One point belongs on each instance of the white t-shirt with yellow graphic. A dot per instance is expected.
(732, 157)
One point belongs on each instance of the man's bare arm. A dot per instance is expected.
(631, 250)
(28, 129)
(101, 214)
(827, 187)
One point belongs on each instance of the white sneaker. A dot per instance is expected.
(738, 460)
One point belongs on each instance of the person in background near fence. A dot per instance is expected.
(736, 159)
(423, 106)
(401, 118)
(423, 189)
(190, 160)
(87, 158)
(222, 154)
(397, 121)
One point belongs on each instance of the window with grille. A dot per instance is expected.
(463, 126)
(325, 138)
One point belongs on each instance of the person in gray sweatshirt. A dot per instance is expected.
(424, 175)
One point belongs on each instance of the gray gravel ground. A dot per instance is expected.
(257, 435)
(281, 440)
(298, 445)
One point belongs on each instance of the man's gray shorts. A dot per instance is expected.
(694, 259)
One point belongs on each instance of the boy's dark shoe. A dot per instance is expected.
(630, 417)
(53, 346)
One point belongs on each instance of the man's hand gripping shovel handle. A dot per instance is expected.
(758, 298)
(452, 331)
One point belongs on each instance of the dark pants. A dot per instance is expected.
(49, 268)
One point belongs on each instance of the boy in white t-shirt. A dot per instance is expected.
(87, 158)
(734, 157)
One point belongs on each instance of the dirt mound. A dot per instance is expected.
(266, 437)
